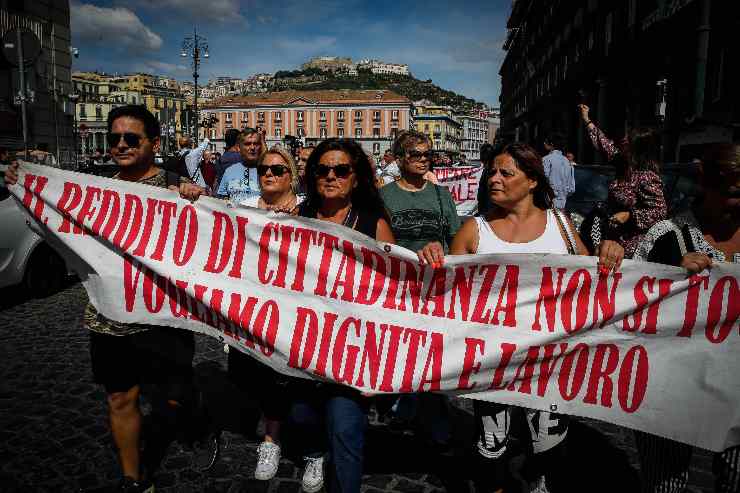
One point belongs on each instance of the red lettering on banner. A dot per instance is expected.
(269, 313)
(372, 278)
(154, 290)
(132, 208)
(508, 288)
(326, 334)
(696, 282)
(345, 274)
(222, 239)
(472, 188)
(372, 354)
(87, 211)
(286, 238)
(470, 363)
(604, 300)
(437, 287)
(507, 351)
(179, 299)
(651, 320)
(714, 314)
(462, 285)
(329, 242)
(70, 199)
(390, 361)
(219, 321)
(548, 296)
(483, 294)
(411, 337)
(306, 318)
(33, 187)
(242, 317)
(130, 281)
(411, 286)
(636, 381)
(183, 249)
(241, 245)
(306, 237)
(340, 348)
(393, 278)
(641, 299)
(582, 303)
(603, 374)
(111, 201)
(525, 371)
(199, 312)
(151, 209)
(579, 373)
(547, 365)
(433, 363)
(167, 210)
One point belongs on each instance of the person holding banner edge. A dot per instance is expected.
(340, 188)
(695, 239)
(517, 216)
(123, 355)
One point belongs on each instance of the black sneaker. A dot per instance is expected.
(205, 451)
(129, 485)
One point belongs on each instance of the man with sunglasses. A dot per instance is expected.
(240, 181)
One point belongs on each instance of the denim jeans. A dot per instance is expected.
(346, 422)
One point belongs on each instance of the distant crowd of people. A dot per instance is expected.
(520, 210)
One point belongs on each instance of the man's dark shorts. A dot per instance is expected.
(162, 355)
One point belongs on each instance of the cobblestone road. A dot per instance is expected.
(54, 434)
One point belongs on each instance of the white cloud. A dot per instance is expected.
(166, 68)
(225, 11)
(116, 26)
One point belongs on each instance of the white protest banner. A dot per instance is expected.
(462, 181)
(645, 348)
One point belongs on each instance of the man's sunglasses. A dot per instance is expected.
(340, 170)
(417, 156)
(131, 140)
(276, 169)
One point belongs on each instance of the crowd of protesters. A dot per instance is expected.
(397, 201)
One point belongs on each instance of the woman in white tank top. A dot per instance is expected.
(517, 217)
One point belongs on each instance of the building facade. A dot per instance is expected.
(379, 67)
(442, 126)
(662, 63)
(100, 93)
(328, 63)
(50, 110)
(474, 135)
(373, 118)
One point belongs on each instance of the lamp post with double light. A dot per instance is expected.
(195, 47)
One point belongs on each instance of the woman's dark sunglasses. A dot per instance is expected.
(131, 140)
(277, 169)
(340, 170)
(417, 156)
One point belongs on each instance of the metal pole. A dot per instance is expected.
(54, 89)
(21, 72)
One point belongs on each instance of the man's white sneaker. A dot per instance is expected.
(268, 459)
(313, 476)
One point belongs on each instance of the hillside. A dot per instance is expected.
(412, 88)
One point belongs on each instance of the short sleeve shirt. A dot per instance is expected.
(239, 184)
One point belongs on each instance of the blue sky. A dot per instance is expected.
(456, 44)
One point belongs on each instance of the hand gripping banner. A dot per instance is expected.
(646, 348)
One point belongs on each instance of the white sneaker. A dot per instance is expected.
(313, 476)
(268, 459)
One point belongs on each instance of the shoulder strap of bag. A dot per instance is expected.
(565, 227)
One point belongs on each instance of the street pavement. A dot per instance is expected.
(54, 433)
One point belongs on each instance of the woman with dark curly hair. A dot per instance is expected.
(517, 216)
(340, 188)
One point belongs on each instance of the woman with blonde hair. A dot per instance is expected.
(278, 181)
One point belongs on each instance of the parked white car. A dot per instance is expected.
(25, 258)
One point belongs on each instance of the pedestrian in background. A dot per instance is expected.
(635, 201)
(240, 180)
(558, 169)
(230, 156)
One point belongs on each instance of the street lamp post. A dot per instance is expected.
(73, 99)
(195, 46)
